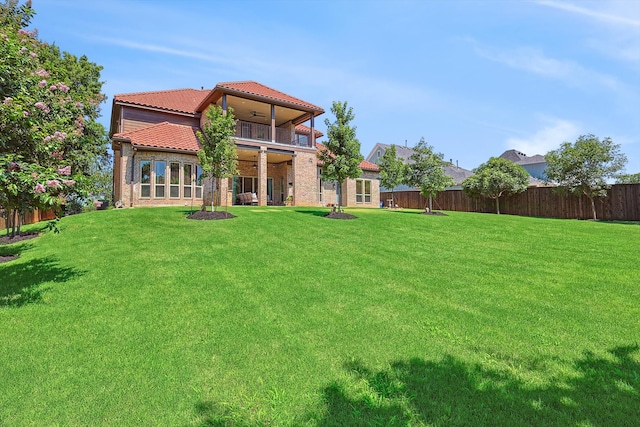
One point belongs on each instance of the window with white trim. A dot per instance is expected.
(174, 180)
(363, 191)
(187, 180)
(161, 179)
(198, 182)
(145, 178)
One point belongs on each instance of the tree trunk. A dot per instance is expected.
(498, 205)
(339, 189)
(430, 203)
(214, 185)
(593, 207)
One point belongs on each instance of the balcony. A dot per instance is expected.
(261, 132)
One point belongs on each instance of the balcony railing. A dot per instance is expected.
(260, 132)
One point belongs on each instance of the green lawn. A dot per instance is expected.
(283, 317)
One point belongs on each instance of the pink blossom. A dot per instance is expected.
(43, 83)
(54, 183)
(14, 166)
(65, 170)
(79, 104)
(48, 138)
(23, 49)
(41, 105)
(53, 87)
(33, 54)
(42, 73)
(56, 155)
(8, 100)
(26, 113)
(22, 32)
(39, 188)
(68, 182)
(63, 87)
(59, 135)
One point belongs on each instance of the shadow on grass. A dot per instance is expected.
(21, 282)
(602, 391)
(314, 212)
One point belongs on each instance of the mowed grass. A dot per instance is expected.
(283, 317)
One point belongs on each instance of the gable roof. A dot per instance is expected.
(520, 158)
(401, 151)
(258, 91)
(178, 100)
(364, 165)
(163, 135)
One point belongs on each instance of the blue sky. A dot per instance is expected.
(474, 78)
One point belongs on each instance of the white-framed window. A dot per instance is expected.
(161, 179)
(145, 178)
(198, 182)
(174, 180)
(363, 191)
(187, 180)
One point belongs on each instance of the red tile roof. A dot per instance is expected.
(260, 90)
(163, 135)
(364, 165)
(179, 100)
(307, 130)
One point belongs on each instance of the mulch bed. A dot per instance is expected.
(7, 258)
(339, 215)
(206, 215)
(5, 240)
(434, 213)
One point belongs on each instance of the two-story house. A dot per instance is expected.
(155, 144)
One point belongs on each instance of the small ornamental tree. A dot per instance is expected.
(218, 156)
(496, 178)
(630, 178)
(584, 166)
(426, 172)
(49, 104)
(393, 170)
(342, 158)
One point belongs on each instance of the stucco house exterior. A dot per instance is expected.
(154, 140)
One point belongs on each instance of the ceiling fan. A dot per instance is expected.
(256, 114)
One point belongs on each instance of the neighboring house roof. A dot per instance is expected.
(307, 130)
(457, 173)
(178, 100)
(520, 158)
(364, 165)
(163, 135)
(258, 91)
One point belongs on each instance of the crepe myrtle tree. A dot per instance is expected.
(341, 159)
(585, 166)
(426, 172)
(49, 104)
(393, 170)
(218, 156)
(496, 178)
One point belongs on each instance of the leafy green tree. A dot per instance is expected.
(218, 156)
(584, 166)
(496, 178)
(426, 172)
(342, 158)
(393, 170)
(49, 104)
(629, 178)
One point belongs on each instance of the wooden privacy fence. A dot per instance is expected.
(621, 204)
(29, 218)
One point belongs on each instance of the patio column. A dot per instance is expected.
(262, 177)
(224, 103)
(273, 123)
(312, 136)
(294, 159)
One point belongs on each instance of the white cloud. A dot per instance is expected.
(554, 132)
(605, 16)
(533, 60)
(617, 26)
